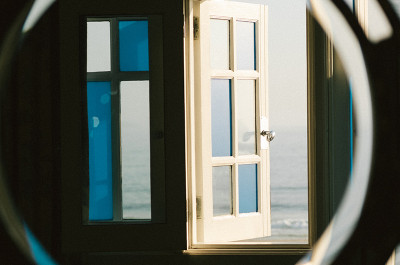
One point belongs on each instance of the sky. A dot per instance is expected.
(287, 62)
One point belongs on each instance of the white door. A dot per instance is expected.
(232, 166)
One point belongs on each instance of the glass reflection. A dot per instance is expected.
(219, 44)
(135, 149)
(245, 45)
(222, 190)
(221, 133)
(98, 46)
(246, 116)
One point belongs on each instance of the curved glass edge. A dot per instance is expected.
(344, 222)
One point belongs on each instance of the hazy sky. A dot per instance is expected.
(287, 66)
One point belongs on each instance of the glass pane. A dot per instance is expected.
(100, 168)
(98, 46)
(245, 45)
(134, 45)
(246, 116)
(135, 150)
(221, 117)
(248, 188)
(222, 190)
(219, 44)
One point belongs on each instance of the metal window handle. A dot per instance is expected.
(270, 135)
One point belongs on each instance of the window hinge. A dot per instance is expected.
(196, 28)
(198, 207)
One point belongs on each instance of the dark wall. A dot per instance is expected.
(30, 131)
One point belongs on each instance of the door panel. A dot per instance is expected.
(232, 179)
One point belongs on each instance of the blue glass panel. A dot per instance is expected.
(245, 45)
(100, 168)
(221, 121)
(134, 45)
(248, 188)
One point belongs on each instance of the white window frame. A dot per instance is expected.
(218, 229)
(193, 156)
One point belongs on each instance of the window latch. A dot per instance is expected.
(269, 135)
(266, 135)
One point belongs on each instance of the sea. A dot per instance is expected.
(288, 174)
(289, 185)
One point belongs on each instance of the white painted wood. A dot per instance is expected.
(392, 259)
(225, 229)
(264, 127)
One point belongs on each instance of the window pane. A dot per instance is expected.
(98, 46)
(221, 117)
(222, 191)
(248, 188)
(245, 45)
(219, 44)
(100, 168)
(134, 45)
(135, 149)
(246, 116)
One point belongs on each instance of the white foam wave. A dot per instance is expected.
(290, 223)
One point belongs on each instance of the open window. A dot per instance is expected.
(229, 128)
(229, 194)
(232, 175)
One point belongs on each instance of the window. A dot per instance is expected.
(118, 105)
(99, 102)
(241, 158)
(231, 185)
(230, 191)
(125, 120)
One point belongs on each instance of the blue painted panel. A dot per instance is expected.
(134, 45)
(100, 164)
(248, 202)
(221, 121)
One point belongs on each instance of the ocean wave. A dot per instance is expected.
(290, 223)
(290, 206)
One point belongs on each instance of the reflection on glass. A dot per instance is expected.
(219, 44)
(222, 190)
(98, 46)
(221, 117)
(245, 45)
(134, 45)
(246, 116)
(135, 150)
(248, 188)
(100, 168)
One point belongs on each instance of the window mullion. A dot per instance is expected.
(116, 122)
(235, 147)
(98, 76)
